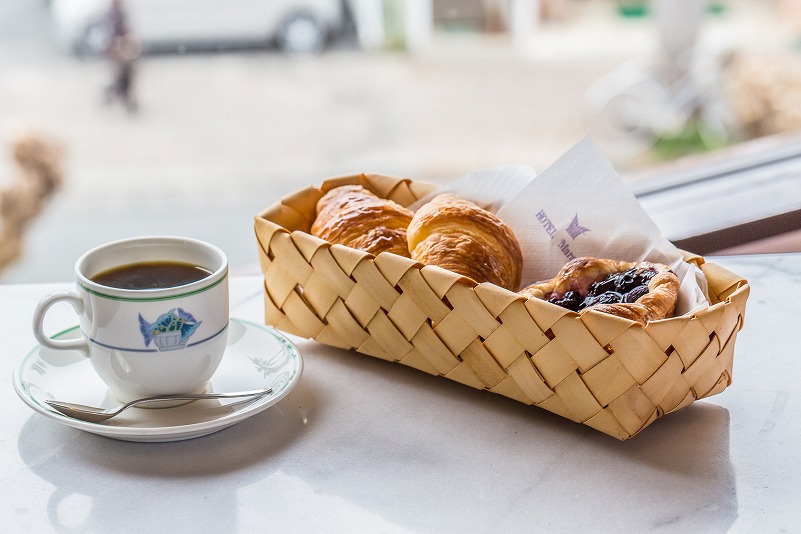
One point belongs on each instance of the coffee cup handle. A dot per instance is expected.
(38, 322)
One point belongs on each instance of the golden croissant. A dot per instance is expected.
(457, 235)
(640, 291)
(351, 215)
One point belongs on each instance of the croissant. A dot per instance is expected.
(457, 235)
(353, 216)
(640, 291)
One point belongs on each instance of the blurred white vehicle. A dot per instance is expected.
(295, 26)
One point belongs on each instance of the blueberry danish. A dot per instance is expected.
(640, 291)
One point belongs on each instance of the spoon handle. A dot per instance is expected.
(192, 396)
(95, 414)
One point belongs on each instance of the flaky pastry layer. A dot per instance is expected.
(455, 234)
(351, 215)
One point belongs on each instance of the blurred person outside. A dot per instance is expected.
(123, 50)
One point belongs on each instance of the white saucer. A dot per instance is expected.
(256, 357)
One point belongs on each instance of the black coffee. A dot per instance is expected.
(151, 275)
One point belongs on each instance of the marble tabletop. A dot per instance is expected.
(363, 445)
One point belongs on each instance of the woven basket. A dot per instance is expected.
(606, 372)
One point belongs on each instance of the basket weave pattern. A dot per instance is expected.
(609, 373)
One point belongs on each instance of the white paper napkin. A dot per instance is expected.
(489, 188)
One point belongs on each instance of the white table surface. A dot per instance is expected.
(362, 445)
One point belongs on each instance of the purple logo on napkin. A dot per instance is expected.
(547, 223)
(575, 229)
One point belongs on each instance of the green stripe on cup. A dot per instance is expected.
(154, 299)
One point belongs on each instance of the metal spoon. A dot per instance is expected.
(96, 415)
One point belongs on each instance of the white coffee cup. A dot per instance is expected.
(144, 342)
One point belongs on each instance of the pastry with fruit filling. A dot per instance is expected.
(640, 291)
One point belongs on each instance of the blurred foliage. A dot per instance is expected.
(639, 8)
(693, 139)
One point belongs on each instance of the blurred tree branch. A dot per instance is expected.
(40, 164)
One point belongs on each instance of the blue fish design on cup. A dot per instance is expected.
(170, 331)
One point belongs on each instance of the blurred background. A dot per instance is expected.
(189, 117)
